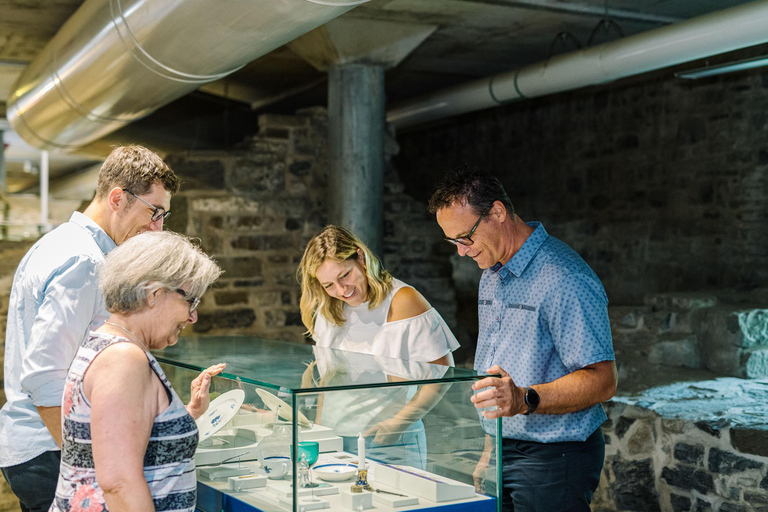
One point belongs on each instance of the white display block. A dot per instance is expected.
(221, 472)
(422, 483)
(305, 503)
(239, 483)
(392, 501)
(356, 500)
(285, 490)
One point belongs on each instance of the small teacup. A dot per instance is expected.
(276, 467)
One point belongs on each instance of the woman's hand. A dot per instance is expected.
(199, 398)
(387, 432)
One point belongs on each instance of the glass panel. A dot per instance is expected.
(281, 365)
(290, 421)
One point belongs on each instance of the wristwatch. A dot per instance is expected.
(531, 400)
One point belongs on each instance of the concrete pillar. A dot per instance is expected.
(356, 131)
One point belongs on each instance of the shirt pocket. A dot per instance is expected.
(521, 322)
(485, 314)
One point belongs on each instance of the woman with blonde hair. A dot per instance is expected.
(349, 302)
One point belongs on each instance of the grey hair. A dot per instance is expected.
(150, 261)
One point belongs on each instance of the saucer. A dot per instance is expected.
(334, 472)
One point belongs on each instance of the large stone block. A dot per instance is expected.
(726, 463)
(682, 352)
(757, 364)
(248, 177)
(728, 336)
(688, 478)
(235, 267)
(689, 453)
(751, 441)
(226, 319)
(635, 488)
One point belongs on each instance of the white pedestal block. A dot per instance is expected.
(422, 483)
(355, 500)
(240, 483)
(395, 501)
(305, 504)
(221, 472)
(285, 490)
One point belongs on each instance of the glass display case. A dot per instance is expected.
(297, 427)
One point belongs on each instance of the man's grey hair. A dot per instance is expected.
(150, 261)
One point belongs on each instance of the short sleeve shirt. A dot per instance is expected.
(544, 315)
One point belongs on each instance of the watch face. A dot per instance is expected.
(531, 399)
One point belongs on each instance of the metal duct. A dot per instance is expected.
(700, 37)
(115, 61)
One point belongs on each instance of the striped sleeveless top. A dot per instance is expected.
(169, 465)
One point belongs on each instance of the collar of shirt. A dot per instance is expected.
(101, 237)
(519, 262)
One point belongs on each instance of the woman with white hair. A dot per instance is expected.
(128, 440)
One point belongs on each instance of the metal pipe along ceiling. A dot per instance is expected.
(718, 32)
(115, 61)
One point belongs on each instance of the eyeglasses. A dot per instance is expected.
(192, 301)
(466, 240)
(157, 213)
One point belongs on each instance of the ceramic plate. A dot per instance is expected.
(221, 410)
(286, 411)
(334, 472)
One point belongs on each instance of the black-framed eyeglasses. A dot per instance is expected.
(157, 213)
(466, 240)
(192, 301)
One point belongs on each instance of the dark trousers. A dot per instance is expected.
(34, 481)
(551, 477)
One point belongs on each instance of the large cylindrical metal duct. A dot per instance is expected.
(115, 61)
(710, 34)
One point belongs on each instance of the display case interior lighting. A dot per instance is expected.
(729, 67)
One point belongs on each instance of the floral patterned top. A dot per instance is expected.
(169, 465)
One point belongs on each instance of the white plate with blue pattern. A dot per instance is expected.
(219, 412)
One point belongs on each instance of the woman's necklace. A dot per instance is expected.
(135, 338)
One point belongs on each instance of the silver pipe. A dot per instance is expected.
(710, 34)
(115, 61)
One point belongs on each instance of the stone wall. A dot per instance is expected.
(687, 448)
(255, 208)
(689, 336)
(660, 184)
(11, 254)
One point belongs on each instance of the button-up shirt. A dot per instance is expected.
(544, 315)
(55, 301)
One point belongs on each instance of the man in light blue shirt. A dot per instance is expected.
(544, 328)
(55, 301)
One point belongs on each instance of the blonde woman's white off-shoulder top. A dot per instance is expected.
(422, 338)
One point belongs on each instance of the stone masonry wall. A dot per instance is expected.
(659, 462)
(684, 335)
(660, 184)
(255, 208)
(11, 254)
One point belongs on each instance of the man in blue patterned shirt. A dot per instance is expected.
(543, 327)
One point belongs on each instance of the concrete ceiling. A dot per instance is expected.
(474, 38)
